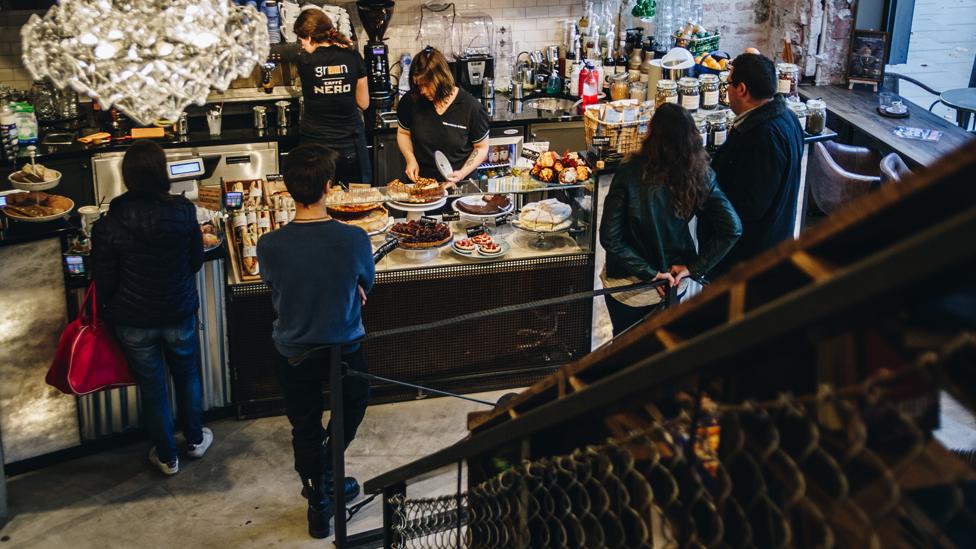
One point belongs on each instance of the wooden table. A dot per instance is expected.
(854, 112)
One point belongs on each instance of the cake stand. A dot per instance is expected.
(541, 242)
(416, 210)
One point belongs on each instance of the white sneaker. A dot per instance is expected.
(197, 450)
(168, 469)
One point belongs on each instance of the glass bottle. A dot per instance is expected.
(667, 92)
(645, 67)
(634, 65)
(816, 116)
(718, 130)
(723, 88)
(800, 110)
(620, 64)
(619, 89)
(689, 94)
(709, 91)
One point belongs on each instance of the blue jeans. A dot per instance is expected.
(149, 351)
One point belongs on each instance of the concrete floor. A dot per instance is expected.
(941, 50)
(244, 493)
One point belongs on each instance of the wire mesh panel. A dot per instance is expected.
(819, 472)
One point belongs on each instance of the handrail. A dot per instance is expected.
(891, 268)
(943, 245)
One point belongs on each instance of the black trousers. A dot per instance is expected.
(624, 316)
(353, 164)
(304, 404)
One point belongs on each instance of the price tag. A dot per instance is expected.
(385, 249)
(503, 219)
(475, 231)
(601, 141)
(429, 220)
(274, 177)
(452, 216)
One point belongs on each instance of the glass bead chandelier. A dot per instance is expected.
(148, 58)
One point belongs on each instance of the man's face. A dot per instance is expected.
(738, 95)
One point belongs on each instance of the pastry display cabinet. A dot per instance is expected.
(416, 287)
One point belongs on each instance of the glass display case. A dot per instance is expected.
(542, 241)
(525, 217)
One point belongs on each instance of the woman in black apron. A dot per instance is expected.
(335, 91)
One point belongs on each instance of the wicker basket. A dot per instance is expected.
(612, 139)
(698, 46)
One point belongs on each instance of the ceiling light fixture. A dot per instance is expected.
(148, 58)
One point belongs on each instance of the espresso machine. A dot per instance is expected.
(375, 16)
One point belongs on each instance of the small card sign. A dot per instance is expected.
(601, 141)
(384, 250)
(503, 219)
(426, 220)
(475, 231)
(274, 177)
(451, 216)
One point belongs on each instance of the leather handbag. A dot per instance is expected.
(89, 358)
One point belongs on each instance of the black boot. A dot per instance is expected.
(320, 508)
(350, 486)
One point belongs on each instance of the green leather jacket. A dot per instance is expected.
(642, 236)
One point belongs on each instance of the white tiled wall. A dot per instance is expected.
(12, 71)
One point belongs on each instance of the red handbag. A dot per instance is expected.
(89, 358)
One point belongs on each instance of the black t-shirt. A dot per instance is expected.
(454, 133)
(329, 76)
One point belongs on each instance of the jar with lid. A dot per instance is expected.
(638, 90)
(718, 130)
(788, 76)
(701, 122)
(723, 88)
(816, 116)
(688, 93)
(667, 92)
(800, 110)
(619, 89)
(709, 91)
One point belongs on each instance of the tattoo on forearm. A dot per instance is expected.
(472, 161)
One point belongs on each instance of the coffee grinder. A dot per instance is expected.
(375, 16)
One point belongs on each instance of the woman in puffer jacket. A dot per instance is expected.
(146, 253)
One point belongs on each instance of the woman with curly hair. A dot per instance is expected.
(652, 198)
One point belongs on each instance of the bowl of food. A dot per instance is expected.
(34, 177)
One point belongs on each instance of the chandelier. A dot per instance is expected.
(148, 58)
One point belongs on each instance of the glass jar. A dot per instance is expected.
(723, 88)
(702, 124)
(619, 89)
(788, 76)
(709, 91)
(667, 92)
(718, 130)
(730, 117)
(816, 116)
(800, 110)
(688, 93)
(638, 91)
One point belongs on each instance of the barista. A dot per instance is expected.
(438, 116)
(336, 92)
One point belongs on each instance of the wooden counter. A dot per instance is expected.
(857, 110)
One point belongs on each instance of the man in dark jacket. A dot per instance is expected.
(758, 167)
(146, 253)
